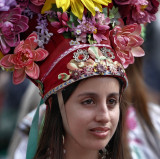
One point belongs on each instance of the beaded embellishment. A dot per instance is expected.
(90, 62)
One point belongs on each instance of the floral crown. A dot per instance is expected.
(57, 42)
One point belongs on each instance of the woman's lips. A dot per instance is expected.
(100, 132)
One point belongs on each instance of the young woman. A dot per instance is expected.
(81, 120)
(83, 49)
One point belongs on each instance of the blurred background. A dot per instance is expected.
(18, 100)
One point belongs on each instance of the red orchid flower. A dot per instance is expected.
(23, 59)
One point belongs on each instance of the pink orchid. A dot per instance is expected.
(62, 24)
(34, 5)
(38, 2)
(12, 23)
(102, 25)
(23, 59)
(137, 11)
(126, 42)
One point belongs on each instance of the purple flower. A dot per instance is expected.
(12, 23)
(97, 26)
(62, 23)
(5, 5)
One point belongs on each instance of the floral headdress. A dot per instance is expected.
(57, 42)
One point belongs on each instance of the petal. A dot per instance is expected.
(56, 24)
(135, 40)
(65, 16)
(24, 26)
(24, 19)
(60, 2)
(19, 47)
(31, 41)
(137, 30)
(137, 52)
(40, 54)
(3, 46)
(99, 37)
(5, 62)
(13, 42)
(99, 6)
(90, 6)
(103, 27)
(103, 2)
(47, 5)
(77, 8)
(65, 4)
(61, 30)
(33, 71)
(18, 76)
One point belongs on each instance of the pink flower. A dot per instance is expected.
(102, 25)
(62, 24)
(38, 2)
(6, 5)
(23, 59)
(34, 5)
(12, 23)
(138, 11)
(122, 2)
(126, 42)
(97, 25)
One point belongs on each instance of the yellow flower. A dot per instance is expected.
(77, 6)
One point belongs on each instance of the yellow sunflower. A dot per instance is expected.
(77, 6)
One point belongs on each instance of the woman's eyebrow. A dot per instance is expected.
(95, 94)
(113, 94)
(87, 94)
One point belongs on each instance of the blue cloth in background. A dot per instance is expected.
(9, 111)
(151, 66)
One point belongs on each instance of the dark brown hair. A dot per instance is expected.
(136, 95)
(51, 142)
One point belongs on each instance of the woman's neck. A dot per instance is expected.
(79, 154)
(75, 151)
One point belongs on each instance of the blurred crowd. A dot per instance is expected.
(142, 118)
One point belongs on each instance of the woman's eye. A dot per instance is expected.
(88, 101)
(112, 102)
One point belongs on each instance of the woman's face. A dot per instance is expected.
(91, 114)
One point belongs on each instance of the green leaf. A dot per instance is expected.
(143, 31)
(113, 13)
(90, 40)
(55, 9)
(105, 11)
(67, 35)
(72, 20)
(51, 18)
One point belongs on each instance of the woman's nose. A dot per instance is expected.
(102, 114)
